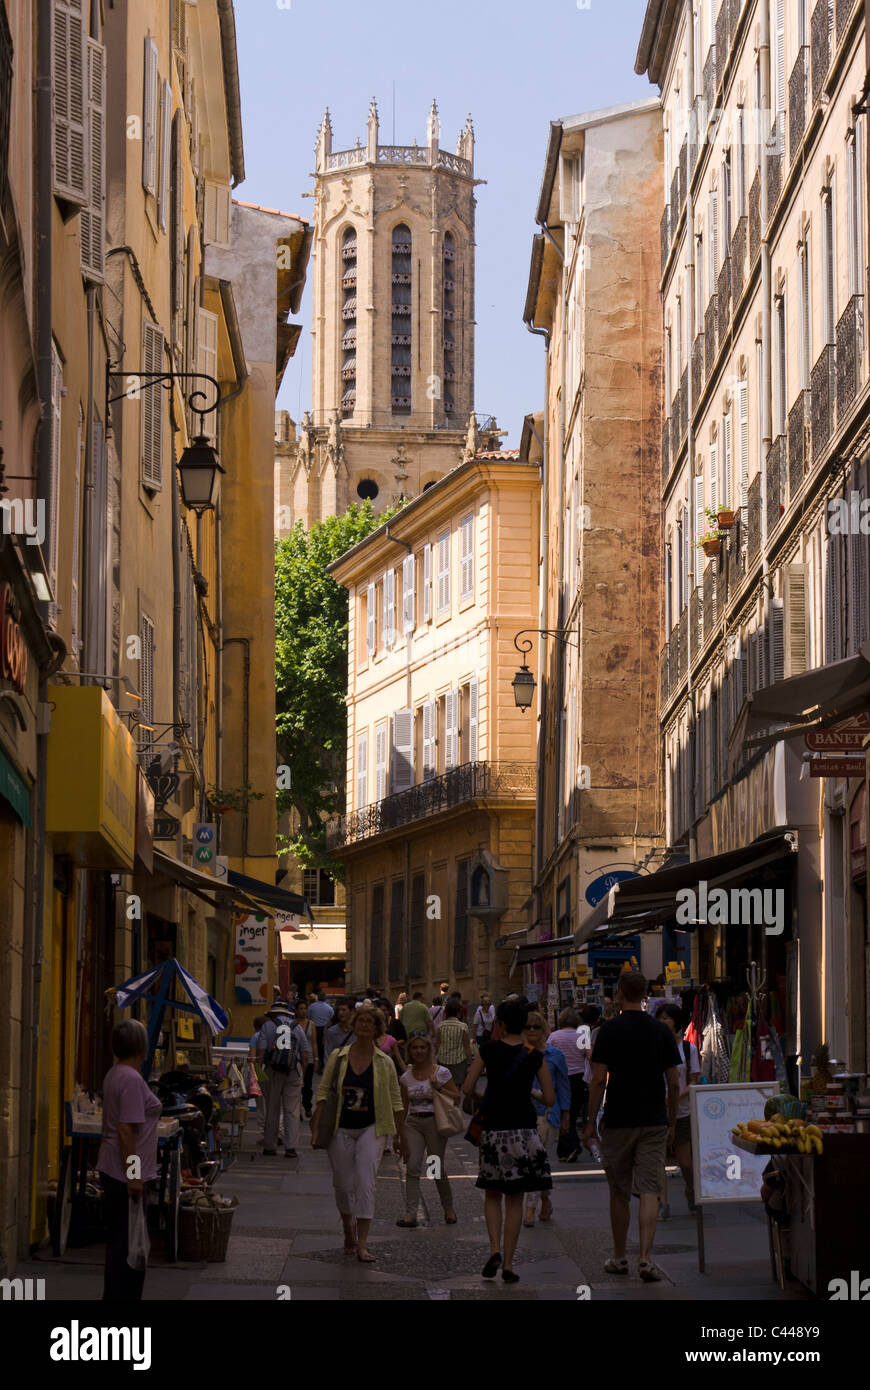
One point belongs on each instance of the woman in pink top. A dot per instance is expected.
(130, 1116)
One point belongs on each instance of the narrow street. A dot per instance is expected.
(286, 1232)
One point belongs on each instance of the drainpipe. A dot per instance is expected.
(690, 433)
(406, 924)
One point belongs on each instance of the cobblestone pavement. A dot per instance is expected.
(286, 1232)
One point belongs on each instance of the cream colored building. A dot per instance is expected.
(593, 295)
(764, 275)
(440, 762)
(393, 324)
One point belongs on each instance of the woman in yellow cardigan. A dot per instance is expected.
(370, 1108)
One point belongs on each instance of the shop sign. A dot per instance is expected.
(600, 887)
(837, 767)
(204, 845)
(91, 779)
(849, 733)
(144, 823)
(13, 648)
(14, 790)
(252, 958)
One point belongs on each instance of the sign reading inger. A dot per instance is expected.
(742, 907)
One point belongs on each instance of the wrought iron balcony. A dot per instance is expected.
(711, 599)
(697, 367)
(844, 10)
(850, 353)
(675, 200)
(684, 403)
(753, 518)
(721, 42)
(683, 642)
(513, 782)
(755, 218)
(683, 167)
(723, 298)
(797, 101)
(773, 163)
(798, 443)
(709, 80)
(711, 320)
(823, 387)
(738, 259)
(697, 610)
(664, 676)
(775, 482)
(820, 46)
(665, 235)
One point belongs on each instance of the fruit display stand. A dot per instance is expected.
(829, 1216)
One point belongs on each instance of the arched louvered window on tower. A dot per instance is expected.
(347, 326)
(400, 352)
(448, 283)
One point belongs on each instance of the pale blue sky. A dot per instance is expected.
(514, 66)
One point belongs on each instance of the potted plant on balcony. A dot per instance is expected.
(225, 800)
(710, 541)
(725, 518)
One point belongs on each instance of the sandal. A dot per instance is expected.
(450, 1220)
(529, 1218)
(614, 1266)
(407, 1224)
(491, 1268)
(546, 1209)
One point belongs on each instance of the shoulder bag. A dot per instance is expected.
(449, 1119)
(329, 1113)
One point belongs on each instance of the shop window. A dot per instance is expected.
(318, 887)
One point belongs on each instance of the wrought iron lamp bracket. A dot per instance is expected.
(167, 380)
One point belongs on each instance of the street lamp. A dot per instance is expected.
(199, 466)
(199, 470)
(523, 682)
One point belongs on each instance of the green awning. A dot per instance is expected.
(14, 790)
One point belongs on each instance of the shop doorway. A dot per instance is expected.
(311, 975)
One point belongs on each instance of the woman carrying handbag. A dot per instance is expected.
(422, 1083)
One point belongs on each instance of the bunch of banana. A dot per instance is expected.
(793, 1136)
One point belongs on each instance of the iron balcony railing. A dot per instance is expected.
(844, 10)
(664, 676)
(775, 481)
(683, 167)
(721, 42)
(665, 235)
(738, 259)
(675, 200)
(755, 217)
(797, 102)
(850, 350)
(723, 297)
(709, 80)
(697, 367)
(820, 46)
(774, 163)
(798, 443)
(711, 599)
(684, 403)
(696, 619)
(666, 451)
(711, 319)
(509, 781)
(753, 518)
(683, 642)
(823, 387)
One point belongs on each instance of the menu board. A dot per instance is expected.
(715, 1111)
(252, 973)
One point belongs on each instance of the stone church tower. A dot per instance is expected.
(392, 269)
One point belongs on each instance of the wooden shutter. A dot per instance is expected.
(723, 492)
(408, 610)
(777, 640)
(362, 784)
(466, 571)
(165, 157)
(451, 729)
(833, 600)
(69, 102)
(859, 590)
(376, 936)
(397, 920)
(778, 73)
(207, 363)
(418, 927)
(389, 608)
(796, 619)
(380, 762)
(75, 625)
(54, 479)
(429, 710)
(371, 619)
(444, 572)
(472, 720)
(92, 229)
(402, 774)
(427, 582)
(216, 213)
(742, 441)
(149, 118)
(151, 399)
(178, 229)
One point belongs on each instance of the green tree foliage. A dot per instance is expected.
(311, 674)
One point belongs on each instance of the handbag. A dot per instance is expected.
(449, 1119)
(475, 1130)
(328, 1114)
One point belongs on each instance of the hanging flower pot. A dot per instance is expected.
(725, 518)
(711, 546)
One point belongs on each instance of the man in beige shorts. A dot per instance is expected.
(631, 1053)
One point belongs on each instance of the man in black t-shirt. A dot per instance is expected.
(630, 1054)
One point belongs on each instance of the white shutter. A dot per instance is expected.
(700, 519)
(796, 619)
(54, 478)
(762, 657)
(724, 492)
(362, 788)
(380, 762)
(832, 600)
(472, 720)
(466, 572)
(151, 399)
(408, 610)
(429, 740)
(389, 608)
(165, 157)
(427, 582)
(444, 572)
(371, 620)
(149, 119)
(451, 729)
(402, 775)
(216, 213)
(743, 441)
(779, 59)
(714, 239)
(69, 103)
(714, 478)
(777, 640)
(207, 363)
(92, 229)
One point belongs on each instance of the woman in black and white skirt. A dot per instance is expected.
(513, 1160)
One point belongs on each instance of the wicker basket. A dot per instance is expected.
(205, 1233)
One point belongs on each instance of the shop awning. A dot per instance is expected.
(803, 703)
(268, 895)
(323, 941)
(640, 904)
(543, 950)
(203, 885)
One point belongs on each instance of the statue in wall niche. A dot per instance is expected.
(334, 446)
(402, 462)
(304, 449)
(472, 439)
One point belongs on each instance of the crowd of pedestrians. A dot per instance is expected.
(366, 1072)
